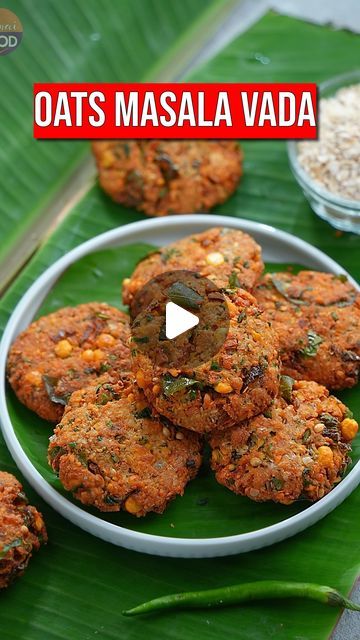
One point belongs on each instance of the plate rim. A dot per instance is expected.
(135, 540)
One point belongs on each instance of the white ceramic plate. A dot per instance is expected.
(277, 247)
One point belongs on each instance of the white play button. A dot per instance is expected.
(178, 320)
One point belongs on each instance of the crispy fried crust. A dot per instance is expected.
(65, 351)
(238, 383)
(163, 177)
(107, 388)
(22, 529)
(297, 449)
(218, 254)
(317, 318)
(121, 455)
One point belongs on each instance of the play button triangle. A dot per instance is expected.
(178, 320)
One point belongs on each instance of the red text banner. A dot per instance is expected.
(175, 110)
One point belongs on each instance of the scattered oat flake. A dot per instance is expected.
(333, 161)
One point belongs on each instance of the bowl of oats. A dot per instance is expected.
(328, 169)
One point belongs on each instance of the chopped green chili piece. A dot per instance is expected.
(167, 254)
(286, 386)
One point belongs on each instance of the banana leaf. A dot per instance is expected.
(74, 41)
(207, 509)
(77, 587)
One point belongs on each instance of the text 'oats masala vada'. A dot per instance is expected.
(317, 318)
(121, 455)
(65, 351)
(22, 529)
(162, 177)
(224, 256)
(237, 383)
(298, 448)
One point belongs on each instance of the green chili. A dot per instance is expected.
(238, 593)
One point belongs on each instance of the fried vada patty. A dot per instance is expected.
(161, 177)
(121, 455)
(65, 351)
(107, 388)
(22, 529)
(225, 256)
(239, 382)
(298, 448)
(317, 319)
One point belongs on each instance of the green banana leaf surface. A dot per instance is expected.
(73, 41)
(77, 586)
(206, 509)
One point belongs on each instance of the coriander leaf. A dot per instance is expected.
(167, 254)
(311, 349)
(55, 452)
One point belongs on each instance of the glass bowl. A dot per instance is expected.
(340, 212)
